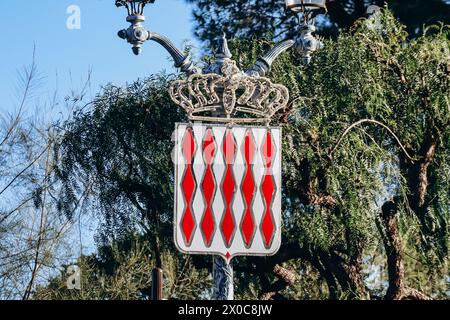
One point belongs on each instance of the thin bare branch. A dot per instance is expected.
(360, 122)
(29, 76)
(23, 171)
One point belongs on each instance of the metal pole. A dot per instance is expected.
(223, 279)
(222, 269)
(157, 280)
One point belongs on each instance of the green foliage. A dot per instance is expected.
(247, 19)
(122, 271)
(395, 93)
(122, 147)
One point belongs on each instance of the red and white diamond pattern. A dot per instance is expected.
(227, 190)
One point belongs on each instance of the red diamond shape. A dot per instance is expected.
(228, 224)
(268, 150)
(188, 222)
(268, 225)
(208, 186)
(248, 191)
(208, 226)
(188, 186)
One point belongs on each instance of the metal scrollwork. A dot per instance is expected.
(256, 99)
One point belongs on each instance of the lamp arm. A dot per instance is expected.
(183, 62)
(264, 63)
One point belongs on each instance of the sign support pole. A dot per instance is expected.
(223, 279)
(157, 280)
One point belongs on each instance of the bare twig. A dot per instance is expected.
(354, 125)
(7, 215)
(25, 169)
(29, 76)
(36, 264)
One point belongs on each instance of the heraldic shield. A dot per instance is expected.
(227, 189)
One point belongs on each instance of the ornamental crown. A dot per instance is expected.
(223, 93)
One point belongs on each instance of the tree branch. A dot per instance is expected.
(397, 289)
(23, 171)
(354, 125)
(286, 279)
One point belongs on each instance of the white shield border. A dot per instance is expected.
(176, 183)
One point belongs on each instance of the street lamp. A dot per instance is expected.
(305, 43)
(306, 11)
(222, 93)
(137, 35)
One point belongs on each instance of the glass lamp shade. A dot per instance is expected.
(305, 5)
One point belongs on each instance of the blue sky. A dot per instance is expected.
(64, 57)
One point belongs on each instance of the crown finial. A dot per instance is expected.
(222, 48)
